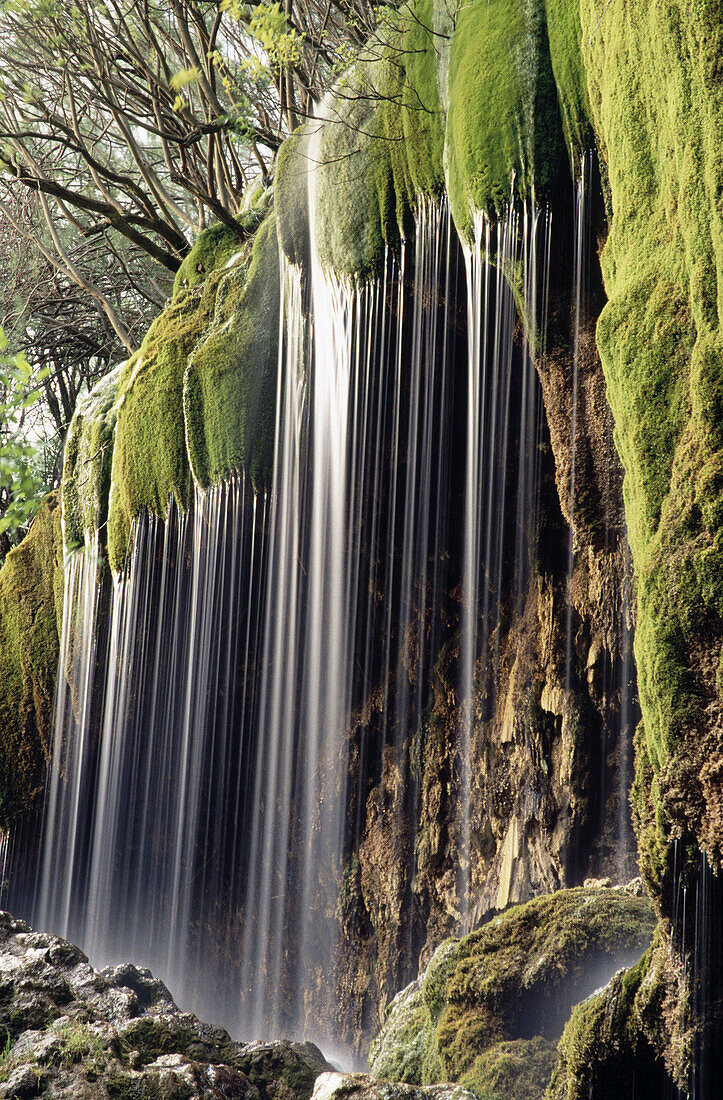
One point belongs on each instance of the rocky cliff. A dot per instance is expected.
(492, 105)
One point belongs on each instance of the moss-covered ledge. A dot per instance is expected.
(352, 177)
(199, 396)
(230, 381)
(31, 598)
(481, 105)
(504, 131)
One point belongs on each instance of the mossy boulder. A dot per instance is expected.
(398, 1052)
(31, 598)
(150, 462)
(345, 210)
(631, 1031)
(469, 104)
(282, 1070)
(515, 1070)
(213, 249)
(489, 1006)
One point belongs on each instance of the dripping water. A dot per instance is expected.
(140, 844)
(502, 475)
(66, 815)
(358, 510)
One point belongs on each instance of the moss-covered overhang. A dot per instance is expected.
(198, 398)
(489, 104)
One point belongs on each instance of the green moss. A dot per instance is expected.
(213, 306)
(504, 119)
(291, 185)
(410, 117)
(347, 216)
(464, 1020)
(87, 462)
(398, 1053)
(229, 388)
(462, 1032)
(436, 977)
(578, 1048)
(377, 147)
(386, 136)
(654, 81)
(607, 1042)
(31, 594)
(153, 1036)
(536, 948)
(565, 39)
(214, 247)
(518, 1070)
(149, 456)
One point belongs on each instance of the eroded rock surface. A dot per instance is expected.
(67, 1030)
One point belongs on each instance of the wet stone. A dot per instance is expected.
(73, 1032)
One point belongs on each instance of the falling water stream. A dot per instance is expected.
(206, 789)
(507, 260)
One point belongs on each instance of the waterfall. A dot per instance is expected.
(507, 267)
(579, 280)
(358, 508)
(146, 795)
(203, 800)
(66, 821)
(619, 712)
(241, 711)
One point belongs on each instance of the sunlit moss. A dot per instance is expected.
(504, 133)
(87, 462)
(227, 394)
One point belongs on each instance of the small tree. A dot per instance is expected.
(22, 481)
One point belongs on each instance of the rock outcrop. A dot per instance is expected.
(549, 782)
(72, 1031)
(489, 1008)
(31, 601)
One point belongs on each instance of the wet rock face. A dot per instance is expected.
(72, 1031)
(551, 755)
(551, 770)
